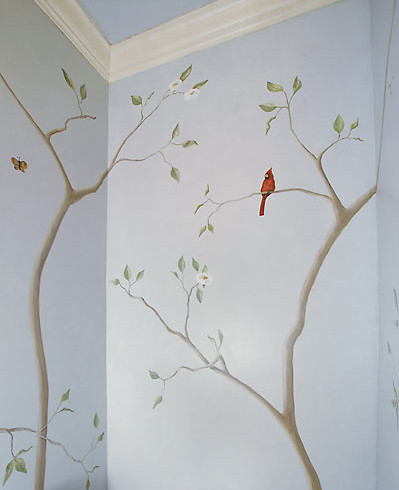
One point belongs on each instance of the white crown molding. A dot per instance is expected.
(81, 30)
(210, 25)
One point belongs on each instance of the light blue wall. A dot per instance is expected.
(33, 51)
(388, 242)
(208, 433)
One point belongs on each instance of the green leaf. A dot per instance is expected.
(153, 375)
(189, 143)
(68, 79)
(195, 264)
(20, 465)
(175, 174)
(136, 99)
(96, 420)
(207, 190)
(65, 396)
(268, 123)
(205, 269)
(202, 230)
(88, 484)
(175, 274)
(274, 87)
(150, 96)
(338, 124)
(93, 469)
(211, 228)
(198, 207)
(127, 273)
(65, 409)
(296, 85)
(268, 107)
(140, 275)
(200, 84)
(83, 92)
(181, 264)
(176, 131)
(157, 401)
(100, 437)
(186, 73)
(115, 282)
(9, 469)
(358, 139)
(355, 124)
(24, 450)
(220, 333)
(199, 294)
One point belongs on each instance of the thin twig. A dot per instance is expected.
(385, 91)
(52, 132)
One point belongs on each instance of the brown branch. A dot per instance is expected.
(334, 233)
(279, 191)
(47, 141)
(223, 372)
(79, 461)
(338, 206)
(52, 132)
(80, 193)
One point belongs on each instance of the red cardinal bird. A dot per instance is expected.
(268, 185)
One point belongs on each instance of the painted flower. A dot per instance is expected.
(204, 278)
(175, 85)
(191, 94)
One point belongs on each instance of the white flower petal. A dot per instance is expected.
(175, 85)
(204, 278)
(191, 94)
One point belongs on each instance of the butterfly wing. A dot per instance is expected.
(15, 162)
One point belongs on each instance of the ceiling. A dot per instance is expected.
(120, 19)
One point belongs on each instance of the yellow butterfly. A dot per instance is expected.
(19, 164)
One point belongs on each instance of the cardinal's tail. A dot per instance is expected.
(262, 205)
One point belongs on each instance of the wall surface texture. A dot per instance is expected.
(72, 299)
(211, 431)
(388, 243)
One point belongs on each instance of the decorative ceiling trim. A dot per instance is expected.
(81, 30)
(207, 26)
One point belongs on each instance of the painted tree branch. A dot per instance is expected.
(80, 461)
(219, 205)
(71, 196)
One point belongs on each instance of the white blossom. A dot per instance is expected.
(191, 94)
(204, 278)
(175, 85)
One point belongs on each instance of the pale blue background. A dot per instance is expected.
(33, 51)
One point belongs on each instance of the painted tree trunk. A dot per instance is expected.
(43, 384)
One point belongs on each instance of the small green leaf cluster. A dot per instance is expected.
(271, 106)
(64, 398)
(174, 172)
(100, 438)
(127, 274)
(17, 464)
(186, 73)
(220, 336)
(339, 125)
(209, 226)
(82, 89)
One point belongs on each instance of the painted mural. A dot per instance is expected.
(148, 107)
(193, 277)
